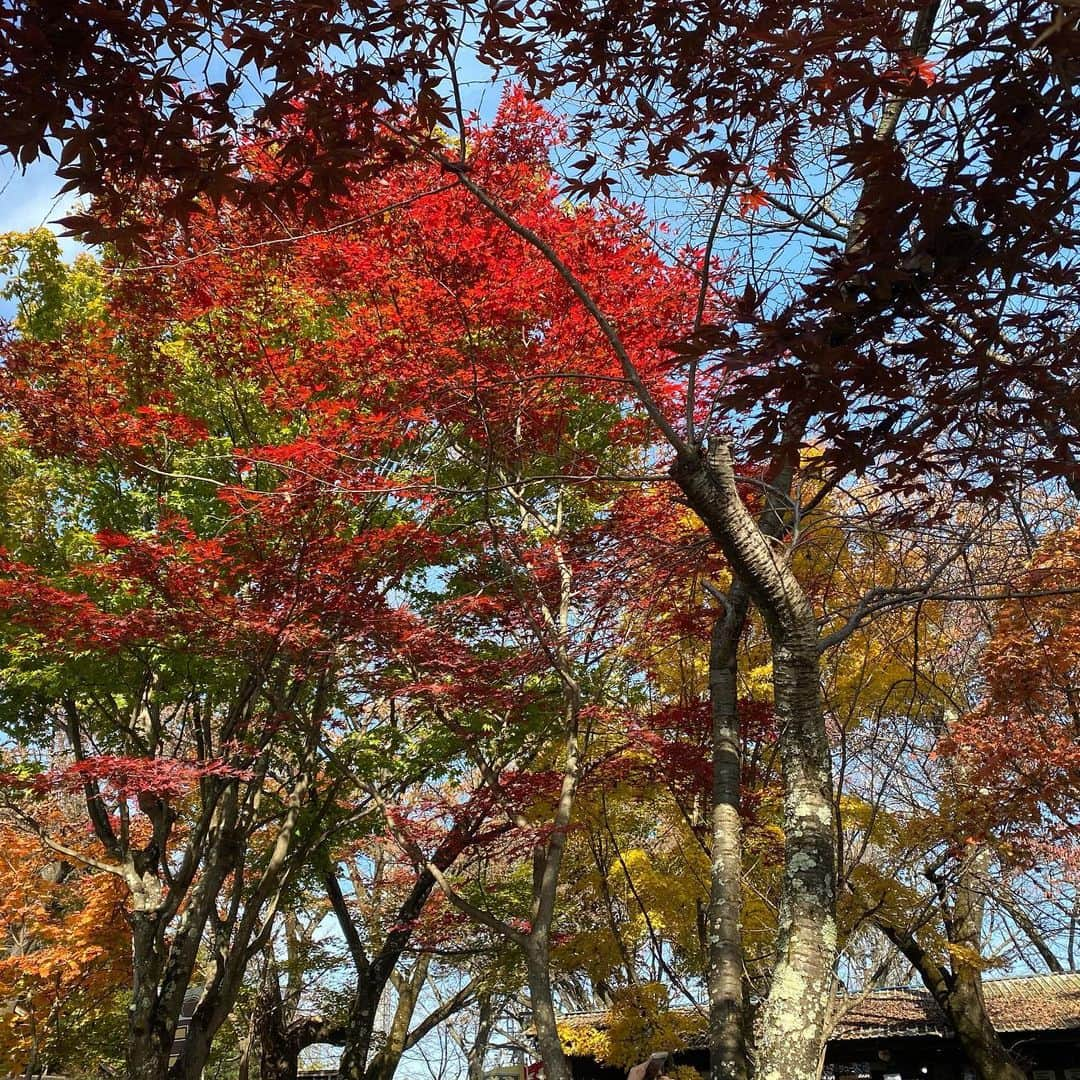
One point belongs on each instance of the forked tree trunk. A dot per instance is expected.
(373, 974)
(793, 1028)
(164, 963)
(959, 994)
(958, 991)
(384, 1064)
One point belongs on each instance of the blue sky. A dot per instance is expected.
(29, 200)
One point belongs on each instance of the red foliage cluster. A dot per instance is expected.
(1018, 753)
(74, 398)
(128, 777)
(125, 777)
(271, 445)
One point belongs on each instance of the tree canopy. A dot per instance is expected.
(616, 552)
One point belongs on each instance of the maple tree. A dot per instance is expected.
(1014, 748)
(547, 621)
(215, 600)
(1021, 738)
(228, 495)
(484, 373)
(668, 104)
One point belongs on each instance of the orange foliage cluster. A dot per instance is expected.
(65, 954)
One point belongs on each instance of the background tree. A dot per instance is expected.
(65, 961)
(942, 889)
(183, 622)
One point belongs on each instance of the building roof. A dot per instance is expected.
(1022, 1004)
(1026, 1003)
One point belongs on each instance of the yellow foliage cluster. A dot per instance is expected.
(668, 885)
(640, 1022)
(684, 1072)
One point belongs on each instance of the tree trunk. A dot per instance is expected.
(964, 1005)
(727, 1009)
(546, 866)
(361, 1027)
(796, 1010)
(484, 1025)
(278, 1060)
(149, 1058)
(385, 1062)
(373, 974)
(966, 1010)
(960, 996)
(959, 992)
(793, 1029)
(150, 1036)
(279, 1055)
(541, 1002)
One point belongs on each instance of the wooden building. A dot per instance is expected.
(901, 1034)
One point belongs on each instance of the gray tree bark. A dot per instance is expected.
(384, 1064)
(541, 1002)
(795, 1012)
(485, 1023)
(727, 1006)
